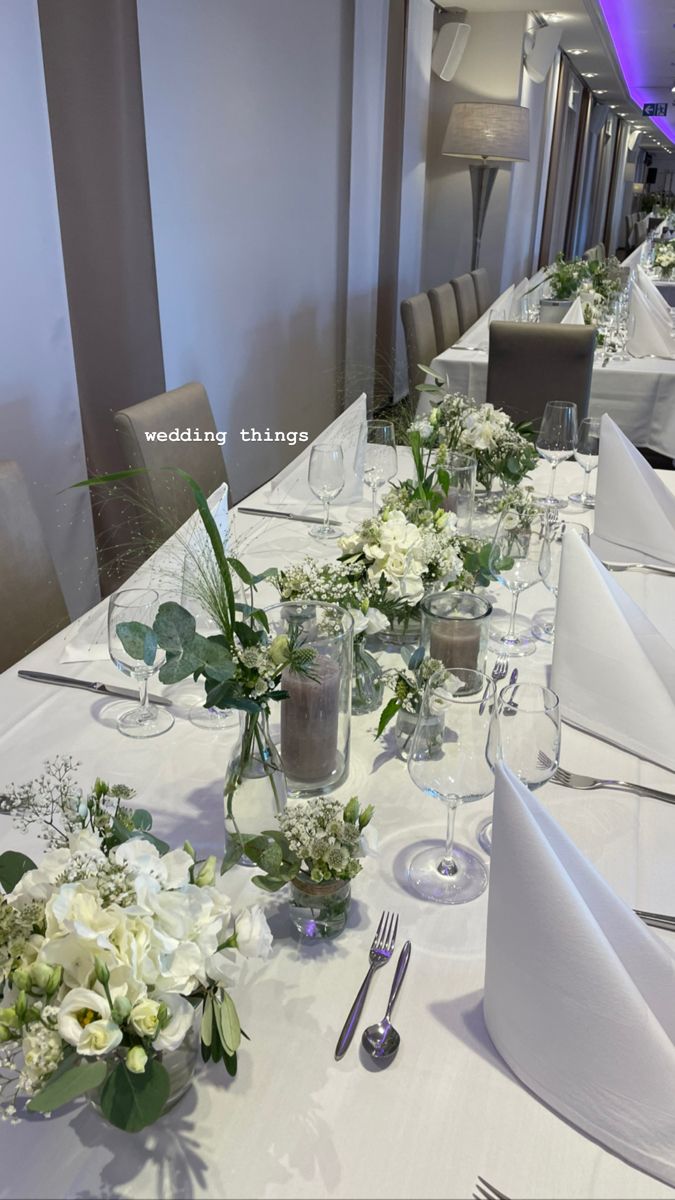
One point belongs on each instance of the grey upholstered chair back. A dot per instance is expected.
(164, 500)
(602, 253)
(483, 290)
(591, 255)
(445, 315)
(531, 364)
(32, 607)
(467, 305)
(420, 338)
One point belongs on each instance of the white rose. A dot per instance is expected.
(99, 1037)
(181, 1018)
(144, 1016)
(254, 938)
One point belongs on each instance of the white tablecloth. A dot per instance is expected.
(295, 1123)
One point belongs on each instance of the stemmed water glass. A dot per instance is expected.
(525, 734)
(133, 649)
(326, 478)
(381, 462)
(586, 453)
(556, 441)
(550, 554)
(455, 770)
(514, 562)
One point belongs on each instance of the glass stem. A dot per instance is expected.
(512, 623)
(326, 515)
(585, 494)
(552, 488)
(374, 491)
(447, 865)
(142, 681)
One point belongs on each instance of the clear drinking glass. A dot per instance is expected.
(326, 478)
(557, 440)
(514, 562)
(134, 651)
(586, 454)
(454, 769)
(381, 460)
(525, 734)
(543, 622)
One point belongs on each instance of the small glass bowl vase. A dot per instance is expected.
(367, 681)
(406, 723)
(319, 910)
(181, 1064)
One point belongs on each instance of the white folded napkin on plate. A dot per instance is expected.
(574, 314)
(578, 991)
(652, 295)
(649, 333)
(348, 430)
(612, 669)
(478, 336)
(634, 510)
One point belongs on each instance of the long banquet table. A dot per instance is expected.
(294, 1123)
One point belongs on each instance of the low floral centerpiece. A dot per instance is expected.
(408, 683)
(117, 955)
(664, 259)
(597, 283)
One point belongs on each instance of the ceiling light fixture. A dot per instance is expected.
(576, 53)
(554, 18)
(620, 21)
(590, 74)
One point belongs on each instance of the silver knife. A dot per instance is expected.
(639, 566)
(286, 516)
(658, 920)
(103, 689)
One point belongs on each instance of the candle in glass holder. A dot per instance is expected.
(455, 642)
(455, 628)
(309, 721)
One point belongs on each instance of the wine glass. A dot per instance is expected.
(586, 453)
(556, 441)
(381, 462)
(133, 649)
(455, 770)
(525, 734)
(514, 562)
(326, 477)
(550, 554)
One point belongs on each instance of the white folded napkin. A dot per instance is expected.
(478, 336)
(578, 991)
(652, 295)
(349, 431)
(634, 510)
(574, 314)
(612, 669)
(648, 331)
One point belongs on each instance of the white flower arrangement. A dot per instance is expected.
(334, 583)
(501, 449)
(664, 259)
(107, 949)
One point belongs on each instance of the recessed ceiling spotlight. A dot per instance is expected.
(576, 53)
(590, 74)
(600, 91)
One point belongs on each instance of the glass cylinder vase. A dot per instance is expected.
(459, 498)
(255, 785)
(455, 627)
(316, 714)
(431, 735)
(367, 680)
(319, 910)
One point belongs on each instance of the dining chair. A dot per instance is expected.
(483, 290)
(591, 255)
(420, 338)
(163, 500)
(467, 305)
(602, 253)
(445, 315)
(531, 364)
(32, 607)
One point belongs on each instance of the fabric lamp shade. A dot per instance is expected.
(500, 132)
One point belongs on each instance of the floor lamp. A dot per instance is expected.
(493, 133)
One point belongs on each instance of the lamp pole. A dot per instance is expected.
(482, 182)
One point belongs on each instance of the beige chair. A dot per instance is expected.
(530, 364)
(445, 315)
(484, 293)
(420, 339)
(591, 255)
(467, 305)
(165, 501)
(32, 607)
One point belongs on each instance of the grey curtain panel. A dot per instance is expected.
(94, 96)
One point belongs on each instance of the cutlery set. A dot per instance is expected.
(380, 1041)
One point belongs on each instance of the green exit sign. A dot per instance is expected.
(655, 110)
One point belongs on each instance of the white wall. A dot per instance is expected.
(528, 182)
(490, 70)
(248, 109)
(39, 412)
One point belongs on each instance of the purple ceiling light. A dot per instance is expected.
(620, 21)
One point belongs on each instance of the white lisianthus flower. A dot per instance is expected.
(254, 937)
(84, 1022)
(181, 1018)
(376, 621)
(144, 1017)
(98, 1038)
(136, 1060)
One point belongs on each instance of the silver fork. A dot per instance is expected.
(586, 783)
(380, 952)
(498, 672)
(485, 1191)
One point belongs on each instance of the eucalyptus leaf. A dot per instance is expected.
(13, 866)
(174, 626)
(73, 1082)
(141, 819)
(139, 641)
(131, 1101)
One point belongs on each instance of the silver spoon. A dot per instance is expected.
(381, 1041)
